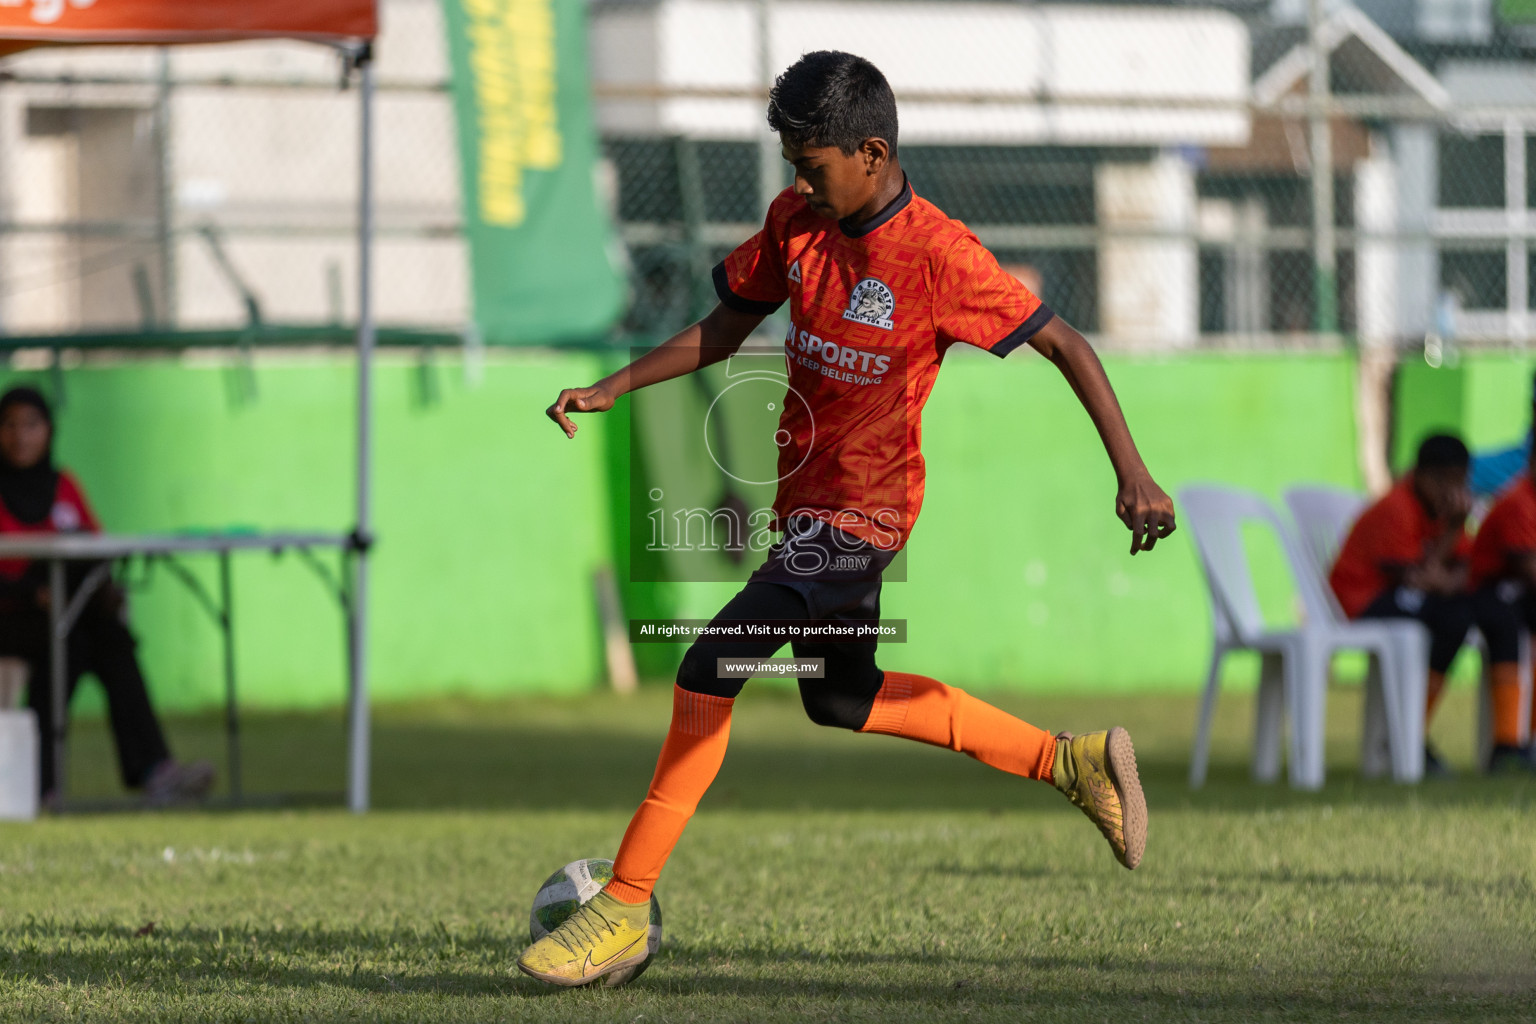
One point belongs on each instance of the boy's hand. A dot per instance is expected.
(593, 399)
(1146, 511)
(1437, 576)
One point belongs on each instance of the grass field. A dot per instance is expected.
(827, 877)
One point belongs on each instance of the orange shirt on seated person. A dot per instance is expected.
(1503, 580)
(1389, 538)
(1507, 539)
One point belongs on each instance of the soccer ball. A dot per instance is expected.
(570, 887)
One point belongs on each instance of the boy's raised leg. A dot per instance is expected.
(919, 708)
(1096, 771)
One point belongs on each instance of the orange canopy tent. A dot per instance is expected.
(349, 25)
(28, 23)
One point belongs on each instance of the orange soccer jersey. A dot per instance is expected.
(1508, 530)
(873, 309)
(1391, 534)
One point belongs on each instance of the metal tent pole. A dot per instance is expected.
(357, 634)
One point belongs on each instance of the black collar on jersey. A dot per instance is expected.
(890, 210)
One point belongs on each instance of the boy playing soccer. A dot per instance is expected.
(880, 284)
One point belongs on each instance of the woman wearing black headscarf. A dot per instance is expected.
(35, 497)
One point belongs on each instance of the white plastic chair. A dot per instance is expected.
(18, 745)
(1294, 679)
(1323, 517)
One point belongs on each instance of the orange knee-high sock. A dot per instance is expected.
(918, 708)
(1432, 698)
(690, 758)
(1505, 680)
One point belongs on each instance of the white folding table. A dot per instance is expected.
(170, 550)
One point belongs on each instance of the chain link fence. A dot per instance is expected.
(1170, 176)
(216, 187)
(1159, 172)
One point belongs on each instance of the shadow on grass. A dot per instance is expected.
(176, 958)
(1225, 883)
(906, 986)
(599, 754)
(537, 770)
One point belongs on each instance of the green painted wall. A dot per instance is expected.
(490, 522)
(1485, 398)
(1019, 572)
(1517, 11)
(1498, 400)
(1426, 400)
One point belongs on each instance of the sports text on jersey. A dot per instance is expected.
(839, 361)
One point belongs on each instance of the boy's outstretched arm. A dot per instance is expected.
(710, 340)
(1141, 505)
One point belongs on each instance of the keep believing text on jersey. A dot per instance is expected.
(839, 362)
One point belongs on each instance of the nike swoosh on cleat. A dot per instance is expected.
(598, 964)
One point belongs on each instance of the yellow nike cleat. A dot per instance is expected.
(1097, 772)
(603, 936)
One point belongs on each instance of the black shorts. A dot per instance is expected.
(837, 573)
(1504, 608)
(817, 572)
(1448, 617)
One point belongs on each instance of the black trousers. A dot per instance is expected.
(817, 574)
(1449, 617)
(99, 644)
(1503, 609)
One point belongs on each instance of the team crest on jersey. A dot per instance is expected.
(871, 303)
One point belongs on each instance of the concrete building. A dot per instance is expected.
(125, 203)
(1453, 189)
(1138, 159)
(1063, 134)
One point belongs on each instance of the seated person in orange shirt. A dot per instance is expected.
(37, 498)
(1406, 557)
(1503, 579)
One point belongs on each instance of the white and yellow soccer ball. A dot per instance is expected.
(572, 886)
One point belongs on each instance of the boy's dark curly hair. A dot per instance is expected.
(831, 98)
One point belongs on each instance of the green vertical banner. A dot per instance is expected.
(542, 252)
(1518, 11)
